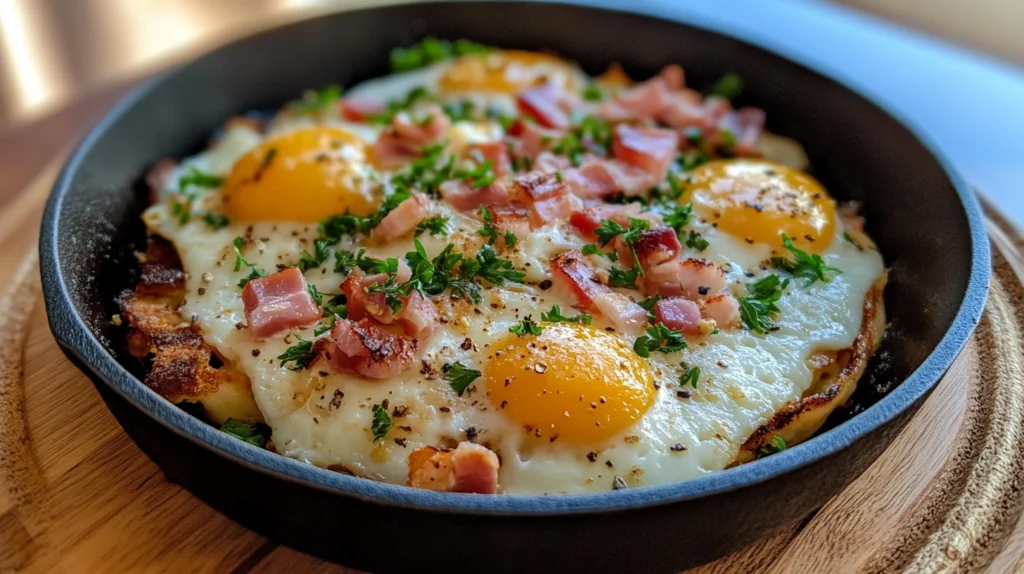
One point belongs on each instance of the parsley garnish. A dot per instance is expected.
(591, 135)
(254, 271)
(756, 309)
(591, 249)
(609, 230)
(526, 327)
(459, 111)
(313, 261)
(318, 297)
(659, 338)
(696, 241)
(344, 261)
(650, 302)
(693, 135)
(556, 316)
(690, 376)
(775, 446)
(593, 93)
(255, 434)
(480, 176)
(395, 106)
(215, 220)
(437, 225)
(430, 50)
(623, 279)
(197, 178)
(317, 100)
(495, 269)
(678, 216)
(728, 86)
(335, 227)
(808, 266)
(691, 160)
(460, 377)
(299, 353)
(381, 423)
(488, 230)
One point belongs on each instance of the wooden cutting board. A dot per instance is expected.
(76, 495)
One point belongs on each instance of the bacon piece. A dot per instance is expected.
(650, 149)
(724, 309)
(360, 110)
(642, 101)
(495, 151)
(279, 302)
(589, 218)
(363, 304)
(598, 178)
(551, 163)
(746, 125)
(546, 197)
(403, 219)
(691, 278)
(849, 214)
(622, 311)
(514, 217)
(653, 247)
(544, 103)
(678, 313)
(406, 137)
(366, 349)
(469, 468)
(571, 269)
(674, 76)
(464, 198)
(686, 110)
(418, 316)
(529, 140)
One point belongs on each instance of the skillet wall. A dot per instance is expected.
(857, 151)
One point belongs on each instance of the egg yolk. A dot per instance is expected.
(759, 201)
(573, 382)
(509, 71)
(304, 175)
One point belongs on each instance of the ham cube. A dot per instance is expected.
(278, 303)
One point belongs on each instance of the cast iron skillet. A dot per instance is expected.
(926, 222)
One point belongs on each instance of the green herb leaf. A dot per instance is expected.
(318, 297)
(661, 339)
(197, 178)
(776, 445)
(808, 266)
(317, 100)
(215, 220)
(696, 241)
(690, 376)
(480, 176)
(255, 434)
(593, 93)
(728, 86)
(430, 50)
(437, 225)
(623, 279)
(300, 353)
(556, 316)
(381, 423)
(313, 261)
(678, 216)
(254, 271)
(344, 261)
(526, 327)
(495, 269)
(757, 308)
(460, 377)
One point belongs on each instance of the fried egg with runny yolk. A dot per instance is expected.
(507, 71)
(759, 201)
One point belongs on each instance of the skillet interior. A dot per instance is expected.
(929, 236)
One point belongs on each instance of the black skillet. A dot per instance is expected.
(926, 222)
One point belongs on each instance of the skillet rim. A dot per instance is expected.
(76, 339)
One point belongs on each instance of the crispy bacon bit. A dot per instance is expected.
(418, 316)
(644, 100)
(674, 76)
(678, 313)
(571, 269)
(587, 220)
(529, 139)
(407, 137)
(544, 103)
(535, 185)
(495, 151)
(465, 198)
(622, 311)
(723, 309)
(161, 270)
(403, 219)
(277, 303)
(598, 178)
(652, 247)
(546, 197)
(650, 149)
(363, 304)
(469, 468)
(514, 217)
(691, 278)
(360, 110)
(746, 126)
(367, 349)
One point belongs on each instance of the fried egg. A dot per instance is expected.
(573, 409)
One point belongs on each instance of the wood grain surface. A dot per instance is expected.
(77, 495)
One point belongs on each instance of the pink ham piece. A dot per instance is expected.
(278, 303)
(550, 163)
(360, 110)
(367, 349)
(514, 217)
(598, 178)
(545, 196)
(418, 317)
(589, 218)
(723, 309)
(544, 103)
(691, 278)
(674, 76)
(403, 219)
(464, 198)
(650, 149)
(652, 247)
(406, 138)
(622, 311)
(529, 139)
(469, 468)
(746, 125)
(570, 269)
(641, 101)
(496, 152)
(678, 313)
(363, 304)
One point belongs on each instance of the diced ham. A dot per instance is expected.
(622, 311)
(652, 247)
(849, 214)
(535, 185)
(644, 100)
(495, 151)
(546, 197)
(555, 208)
(514, 217)
(418, 316)
(407, 137)
(277, 303)
(571, 270)
(469, 468)
(598, 178)
(746, 125)
(723, 309)
(545, 103)
(650, 149)
(674, 77)
(691, 278)
(403, 219)
(464, 198)
(678, 313)
(589, 218)
(367, 349)
(360, 110)
(364, 304)
(551, 163)
(529, 139)
(687, 110)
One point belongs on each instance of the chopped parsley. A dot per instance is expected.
(460, 377)
(430, 50)
(437, 225)
(344, 261)
(556, 316)
(593, 93)
(255, 434)
(254, 271)
(648, 305)
(696, 241)
(318, 100)
(215, 220)
(317, 297)
(480, 176)
(381, 423)
(808, 266)
(775, 446)
(494, 269)
(197, 178)
(623, 279)
(395, 106)
(590, 135)
(729, 86)
(609, 230)
(526, 327)
(300, 353)
(693, 135)
(690, 376)
(691, 160)
(488, 230)
(314, 260)
(661, 339)
(756, 309)
(428, 172)
(678, 216)
(336, 227)
(460, 111)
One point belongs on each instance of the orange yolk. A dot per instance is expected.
(509, 71)
(575, 382)
(305, 175)
(759, 201)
